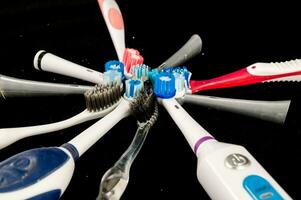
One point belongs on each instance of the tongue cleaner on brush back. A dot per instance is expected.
(225, 171)
(256, 73)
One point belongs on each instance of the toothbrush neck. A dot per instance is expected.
(90, 136)
(195, 134)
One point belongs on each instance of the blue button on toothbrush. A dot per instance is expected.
(223, 169)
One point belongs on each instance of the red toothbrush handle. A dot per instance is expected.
(256, 73)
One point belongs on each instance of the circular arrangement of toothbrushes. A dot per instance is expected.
(130, 87)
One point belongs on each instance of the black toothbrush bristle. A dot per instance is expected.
(143, 108)
(102, 97)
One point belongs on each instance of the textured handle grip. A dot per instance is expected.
(190, 49)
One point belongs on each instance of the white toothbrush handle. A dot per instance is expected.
(275, 68)
(90, 136)
(10, 135)
(48, 62)
(193, 132)
(230, 172)
(114, 21)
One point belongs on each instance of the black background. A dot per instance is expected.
(234, 36)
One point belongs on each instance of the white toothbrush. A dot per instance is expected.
(44, 61)
(114, 21)
(226, 171)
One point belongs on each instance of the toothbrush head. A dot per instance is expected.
(112, 77)
(115, 65)
(132, 88)
(140, 72)
(131, 58)
(165, 85)
(181, 71)
(102, 97)
(143, 107)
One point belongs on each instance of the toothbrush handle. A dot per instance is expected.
(91, 135)
(193, 132)
(256, 73)
(231, 172)
(51, 63)
(10, 135)
(190, 49)
(15, 87)
(114, 21)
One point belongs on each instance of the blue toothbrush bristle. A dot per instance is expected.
(165, 85)
(112, 77)
(115, 65)
(140, 72)
(132, 88)
(180, 84)
(181, 71)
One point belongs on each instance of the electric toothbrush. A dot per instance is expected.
(226, 171)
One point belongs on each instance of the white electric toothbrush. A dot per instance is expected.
(44, 173)
(226, 171)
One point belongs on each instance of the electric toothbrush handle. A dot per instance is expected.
(190, 49)
(51, 63)
(192, 131)
(231, 172)
(256, 73)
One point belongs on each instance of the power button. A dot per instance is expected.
(237, 161)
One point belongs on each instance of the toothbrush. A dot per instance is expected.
(97, 107)
(273, 111)
(14, 87)
(115, 180)
(226, 171)
(44, 61)
(46, 172)
(255, 73)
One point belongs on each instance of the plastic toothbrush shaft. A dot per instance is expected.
(256, 73)
(190, 49)
(273, 111)
(14, 87)
(115, 180)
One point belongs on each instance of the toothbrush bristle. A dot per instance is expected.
(102, 97)
(131, 58)
(140, 72)
(132, 88)
(112, 77)
(115, 65)
(165, 85)
(144, 106)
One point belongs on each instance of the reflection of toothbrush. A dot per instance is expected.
(14, 87)
(51, 63)
(97, 107)
(273, 111)
(226, 171)
(256, 73)
(44, 173)
(115, 180)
